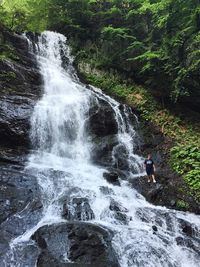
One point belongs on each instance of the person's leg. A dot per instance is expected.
(149, 178)
(153, 177)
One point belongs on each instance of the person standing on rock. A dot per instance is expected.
(150, 169)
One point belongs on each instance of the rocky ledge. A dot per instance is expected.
(74, 244)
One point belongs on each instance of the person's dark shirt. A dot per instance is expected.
(149, 164)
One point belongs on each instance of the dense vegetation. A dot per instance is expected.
(156, 43)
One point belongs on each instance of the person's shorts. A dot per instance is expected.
(150, 172)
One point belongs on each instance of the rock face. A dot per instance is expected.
(81, 243)
(19, 194)
(20, 87)
(102, 121)
(102, 127)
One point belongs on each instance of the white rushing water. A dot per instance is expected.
(62, 162)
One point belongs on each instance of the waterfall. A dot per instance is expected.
(62, 159)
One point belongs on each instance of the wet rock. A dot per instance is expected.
(189, 243)
(112, 177)
(142, 215)
(115, 206)
(102, 149)
(78, 209)
(15, 114)
(119, 212)
(120, 154)
(187, 228)
(155, 228)
(82, 243)
(20, 87)
(106, 190)
(12, 200)
(17, 157)
(16, 190)
(20, 207)
(180, 241)
(102, 120)
(153, 192)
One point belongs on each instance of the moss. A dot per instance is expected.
(185, 154)
(182, 205)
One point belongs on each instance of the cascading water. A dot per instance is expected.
(62, 161)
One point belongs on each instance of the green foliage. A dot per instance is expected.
(22, 15)
(154, 41)
(117, 33)
(185, 160)
(182, 205)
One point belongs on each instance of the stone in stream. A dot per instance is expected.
(112, 177)
(82, 243)
(77, 209)
(189, 229)
(119, 212)
(155, 228)
(106, 190)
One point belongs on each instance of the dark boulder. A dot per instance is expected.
(102, 121)
(102, 149)
(154, 228)
(189, 229)
(82, 243)
(112, 177)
